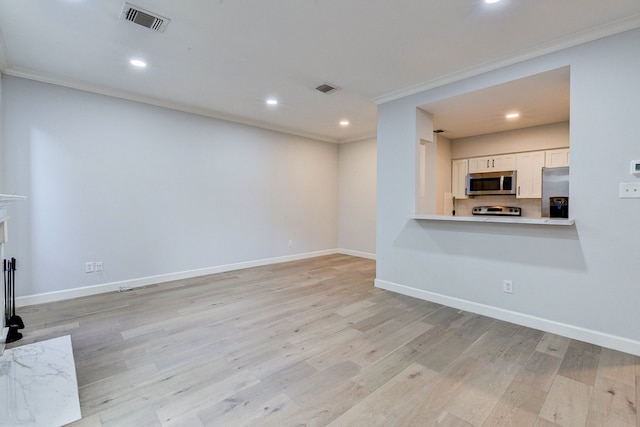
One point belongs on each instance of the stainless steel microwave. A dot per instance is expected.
(491, 183)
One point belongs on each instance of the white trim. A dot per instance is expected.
(161, 278)
(625, 24)
(594, 337)
(164, 103)
(357, 253)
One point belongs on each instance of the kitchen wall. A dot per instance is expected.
(154, 194)
(579, 281)
(357, 198)
(546, 137)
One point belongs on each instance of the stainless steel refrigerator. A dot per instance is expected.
(555, 183)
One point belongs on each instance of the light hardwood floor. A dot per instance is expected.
(313, 343)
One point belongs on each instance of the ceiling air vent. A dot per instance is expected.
(144, 17)
(326, 88)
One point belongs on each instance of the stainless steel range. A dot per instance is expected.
(497, 210)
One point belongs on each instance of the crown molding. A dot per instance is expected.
(358, 139)
(88, 87)
(626, 24)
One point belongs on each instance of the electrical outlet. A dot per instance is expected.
(630, 190)
(89, 267)
(507, 286)
(99, 266)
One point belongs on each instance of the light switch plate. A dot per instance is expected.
(630, 190)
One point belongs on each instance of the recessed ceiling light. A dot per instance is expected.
(491, 1)
(272, 101)
(512, 115)
(138, 63)
(344, 122)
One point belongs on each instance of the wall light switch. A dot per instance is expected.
(630, 190)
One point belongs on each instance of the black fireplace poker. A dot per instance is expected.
(12, 321)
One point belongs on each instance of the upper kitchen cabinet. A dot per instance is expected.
(459, 170)
(556, 158)
(529, 174)
(505, 162)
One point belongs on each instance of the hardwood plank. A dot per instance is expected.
(380, 405)
(567, 403)
(495, 342)
(375, 375)
(553, 345)
(519, 347)
(447, 420)
(612, 403)
(617, 366)
(541, 422)
(539, 370)
(250, 401)
(179, 411)
(448, 348)
(427, 405)
(382, 346)
(482, 392)
(329, 404)
(580, 365)
(308, 391)
(518, 406)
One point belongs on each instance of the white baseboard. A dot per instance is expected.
(151, 280)
(575, 332)
(357, 253)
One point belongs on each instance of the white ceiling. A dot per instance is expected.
(539, 99)
(223, 58)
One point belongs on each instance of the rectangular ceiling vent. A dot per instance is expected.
(327, 88)
(143, 17)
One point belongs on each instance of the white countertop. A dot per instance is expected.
(497, 219)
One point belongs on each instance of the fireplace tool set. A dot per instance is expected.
(12, 321)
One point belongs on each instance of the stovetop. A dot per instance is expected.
(497, 210)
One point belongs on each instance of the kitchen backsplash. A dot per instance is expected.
(530, 207)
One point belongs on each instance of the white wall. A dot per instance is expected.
(580, 280)
(357, 198)
(443, 174)
(151, 191)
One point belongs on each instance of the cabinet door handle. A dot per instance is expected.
(487, 163)
(518, 190)
(493, 163)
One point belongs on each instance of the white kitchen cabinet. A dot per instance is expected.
(529, 174)
(504, 162)
(459, 169)
(556, 158)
